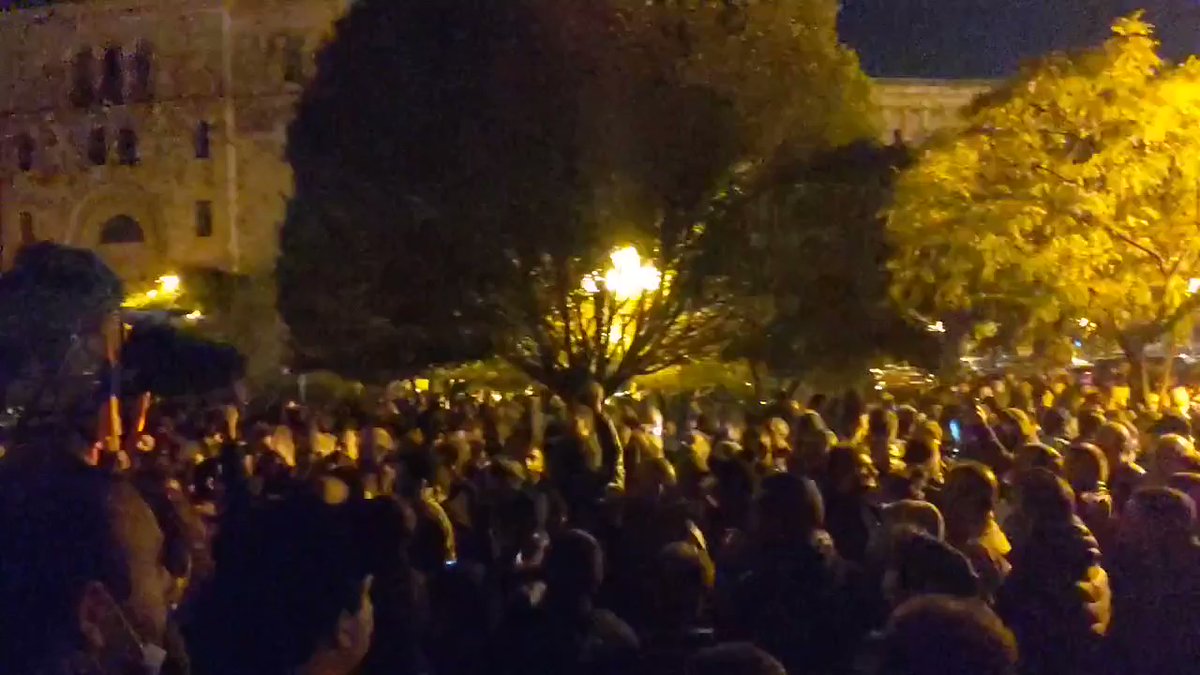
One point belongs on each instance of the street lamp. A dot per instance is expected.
(628, 278)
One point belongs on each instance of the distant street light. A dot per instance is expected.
(1194, 286)
(627, 279)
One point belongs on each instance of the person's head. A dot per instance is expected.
(1085, 467)
(915, 514)
(969, 500)
(1090, 422)
(1173, 454)
(1044, 499)
(734, 658)
(684, 577)
(574, 566)
(923, 454)
(82, 571)
(1187, 483)
(1056, 423)
(936, 635)
(1014, 428)
(919, 564)
(906, 421)
(850, 471)
(1172, 423)
(1156, 521)
(787, 507)
(1116, 442)
(1037, 456)
(291, 592)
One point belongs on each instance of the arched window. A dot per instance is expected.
(112, 82)
(127, 147)
(143, 72)
(83, 79)
(121, 230)
(25, 152)
(203, 140)
(97, 148)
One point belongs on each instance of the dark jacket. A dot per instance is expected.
(802, 603)
(1057, 599)
(1156, 614)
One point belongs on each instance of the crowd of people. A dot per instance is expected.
(1000, 528)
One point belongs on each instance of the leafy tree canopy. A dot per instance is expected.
(1074, 194)
(462, 166)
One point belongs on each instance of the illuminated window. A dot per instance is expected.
(83, 79)
(112, 82)
(204, 218)
(121, 230)
(25, 152)
(203, 140)
(97, 147)
(127, 147)
(25, 221)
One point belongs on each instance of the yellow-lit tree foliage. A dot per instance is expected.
(1073, 193)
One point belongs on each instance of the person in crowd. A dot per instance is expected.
(1125, 475)
(883, 441)
(1172, 454)
(291, 594)
(1156, 586)
(1057, 599)
(83, 587)
(850, 515)
(1056, 429)
(798, 599)
(565, 632)
(1086, 471)
(921, 564)
(968, 503)
(679, 624)
(935, 635)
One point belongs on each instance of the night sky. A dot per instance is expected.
(991, 38)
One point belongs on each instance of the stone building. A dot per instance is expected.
(913, 109)
(152, 131)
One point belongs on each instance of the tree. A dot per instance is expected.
(821, 261)
(1074, 194)
(474, 166)
(54, 303)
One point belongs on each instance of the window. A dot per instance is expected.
(203, 140)
(293, 60)
(97, 148)
(83, 79)
(25, 152)
(25, 221)
(121, 230)
(204, 218)
(112, 83)
(143, 73)
(127, 147)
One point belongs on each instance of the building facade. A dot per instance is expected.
(912, 110)
(152, 131)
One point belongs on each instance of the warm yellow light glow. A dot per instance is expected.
(169, 284)
(1084, 323)
(152, 293)
(589, 284)
(629, 277)
(195, 315)
(936, 327)
(1194, 286)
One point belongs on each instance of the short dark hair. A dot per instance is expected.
(932, 635)
(286, 571)
(925, 565)
(56, 535)
(734, 658)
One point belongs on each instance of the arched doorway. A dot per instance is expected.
(121, 229)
